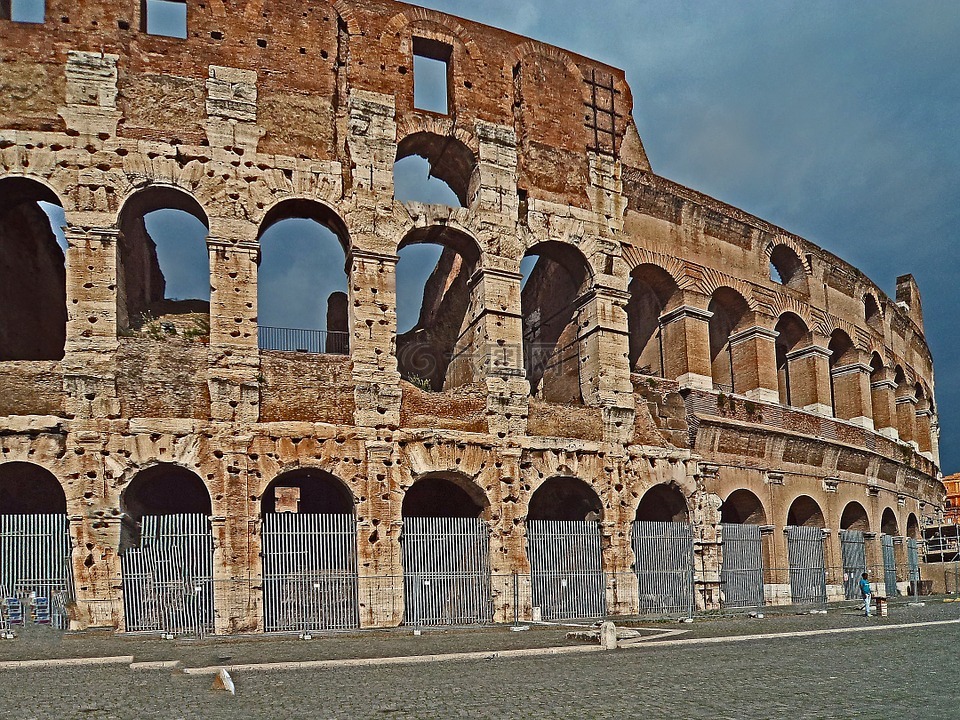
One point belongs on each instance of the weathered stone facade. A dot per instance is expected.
(680, 362)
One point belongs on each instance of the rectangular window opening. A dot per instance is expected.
(24, 11)
(431, 75)
(165, 17)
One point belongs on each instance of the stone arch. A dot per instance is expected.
(161, 489)
(33, 290)
(551, 300)
(445, 494)
(434, 352)
(913, 527)
(805, 512)
(30, 489)
(743, 507)
(889, 525)
(843, 355)
(854, 517)
(450, 159)
(792, 333)
(301, 291)
(651, 290)
(564, 497)
(307, 490)
(906, 402)
(786, 267)
(142, 285)
(663, 503)
(730, 314)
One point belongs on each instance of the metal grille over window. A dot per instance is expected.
(35, 567)
(808, 580)
(741, 574)
(664, 566)
(566, 570)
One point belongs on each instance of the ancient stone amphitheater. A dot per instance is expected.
(679, 407)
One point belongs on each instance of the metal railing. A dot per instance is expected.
(317, 342)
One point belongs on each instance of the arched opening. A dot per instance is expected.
(433, 295)
(435, 169)
(888, 523)
(854, 517)
(309, 550)
(906, 402)
(563, 545)
(302, 280)
(805, 512)
(163, 271)
(33, 294)
(166, 551)
(307, 491)
(439, 496)
(36, 569)
(730, 312)
(871, 312)
(28, 489)
(663, 503)
(843, 355)
(552, 298)
(446, 552)
(651, 290)
(565, 498)
(913, 527)
(743, 507)
(787, 269)
(791, 332)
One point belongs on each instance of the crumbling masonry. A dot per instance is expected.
(651, 367)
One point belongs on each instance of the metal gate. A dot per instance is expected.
(741, 574)
(913, 565)
(889, 565)
(664, 566)
(309, 572)
(566, 569)
(35, 563)
(446, 571)
(808, 579)
(854, 555)
(168, 579)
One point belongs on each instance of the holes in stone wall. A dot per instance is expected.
(23, 11)
(163, 274)
(167, 18)
(302, 280)
(33, 296)
(431, 75)
(552, 297)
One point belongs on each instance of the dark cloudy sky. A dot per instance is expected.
(839, 121)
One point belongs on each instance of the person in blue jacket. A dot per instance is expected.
(866, 592)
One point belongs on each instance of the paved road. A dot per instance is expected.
(909, 673)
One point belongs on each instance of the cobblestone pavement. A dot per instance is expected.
(909, 672)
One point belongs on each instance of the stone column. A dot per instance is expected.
(852, 394)
(686, 343)
(379, 524)
(809, 372)
(234, 359)
(923, 429)
(373, 340)
(883, 399)
(89, 362)
(755, 363)
(510, 565)
(907, 415)
(604, 352)
(707, 539)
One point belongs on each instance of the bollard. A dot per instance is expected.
(608, 636)
(881, 606)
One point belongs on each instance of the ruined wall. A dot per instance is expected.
(273, 108)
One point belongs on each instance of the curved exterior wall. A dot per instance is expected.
(266, 102)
